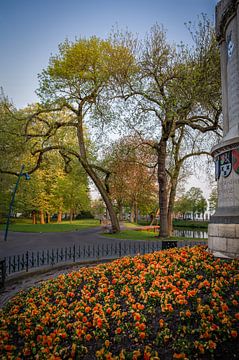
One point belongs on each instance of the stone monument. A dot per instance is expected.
(223, 231)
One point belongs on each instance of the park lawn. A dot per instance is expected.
(131, 234)
(27, 226)
(173, 304)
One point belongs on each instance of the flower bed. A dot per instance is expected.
(173, 304)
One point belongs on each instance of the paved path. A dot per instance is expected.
(18, 242)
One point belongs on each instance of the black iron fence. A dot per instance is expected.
(2, 272)
(30, 260)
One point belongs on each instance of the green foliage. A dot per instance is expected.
(132, 183)
(190, 224)
(83, 68)
(182, 205)
(197, 202)
(192, 202)
(213, 199)
(98, 208)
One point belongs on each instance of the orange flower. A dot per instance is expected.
(109, 356)
(118, 331)
(237, 316)
(26, 352)
(161, 323)
(107, 343)
(212, 344)
(188, 313)
(234, 333)
(179, 356)
(27, 332)
(224, 307)
(63, 335)
(136, 354)
(99, 323)
(142, 335)
(142, 326)
(88, 337)
(137, 316)
(147, 355)
(140, 306)
(87, 309)
(169, 307)
(9, 347)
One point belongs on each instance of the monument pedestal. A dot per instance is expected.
(223, 240)
(223, 231)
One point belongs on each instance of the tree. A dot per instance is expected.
(42, 193)
(73, 189)
(182, 206)
(202, 206)
(174, 90)
(52, 190)
(69, 90)
(132, 182)
(213, 198)
(198, 203)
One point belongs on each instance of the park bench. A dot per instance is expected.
(148, 228)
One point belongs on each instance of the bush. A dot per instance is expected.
(84, 215)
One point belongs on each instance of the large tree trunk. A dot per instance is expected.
(48, 217)
(41, 214)
(59, 216)
(163, 190)
(136, 212)
(172, 195)
(105, 196)
(93, 175)
(132, 213)
(34, 218)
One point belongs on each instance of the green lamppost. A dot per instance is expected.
(27, 177)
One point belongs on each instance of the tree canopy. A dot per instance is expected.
(166, 96)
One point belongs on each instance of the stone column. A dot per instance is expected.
(223, 231)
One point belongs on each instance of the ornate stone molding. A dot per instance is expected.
(225, 10)
(223, 147)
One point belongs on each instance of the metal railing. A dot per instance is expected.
(2, 273)
(30, 260)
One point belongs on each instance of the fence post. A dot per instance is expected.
(74, 253)
(52, 257)
(27, 261)
(18, 262)
(3, 272)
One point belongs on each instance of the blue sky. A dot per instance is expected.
(30, 31)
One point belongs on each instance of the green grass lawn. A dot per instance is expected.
(25, 225)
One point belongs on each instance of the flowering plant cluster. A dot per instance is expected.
(172, 304)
